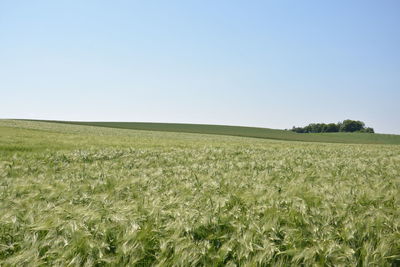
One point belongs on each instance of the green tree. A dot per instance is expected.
(331, 128)
(352, 126)
(345, 126)
(368, 130)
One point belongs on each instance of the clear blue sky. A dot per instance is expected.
(259, 63)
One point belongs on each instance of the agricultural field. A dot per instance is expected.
(264, 133)
(81, 195)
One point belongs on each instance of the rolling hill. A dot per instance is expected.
(255, 132)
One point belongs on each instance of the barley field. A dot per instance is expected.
(73, 195)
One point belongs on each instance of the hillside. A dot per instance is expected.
(265, 133)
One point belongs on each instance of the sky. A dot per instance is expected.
(271, 64)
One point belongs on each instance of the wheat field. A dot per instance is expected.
(90, 196)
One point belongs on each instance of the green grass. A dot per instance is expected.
(91, 196)
(354, 138)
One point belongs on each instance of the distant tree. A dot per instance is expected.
(339, 125)
(367, 130)
(345, 126)
(319, 127)
(310, 128)
(352, 126)
(331, 128)
(298, 129)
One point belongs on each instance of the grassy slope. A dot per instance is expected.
(355, 138)
(83, 196)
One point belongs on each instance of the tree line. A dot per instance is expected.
(344, 126)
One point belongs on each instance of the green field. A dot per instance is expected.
(265, 133)
(74, 195)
